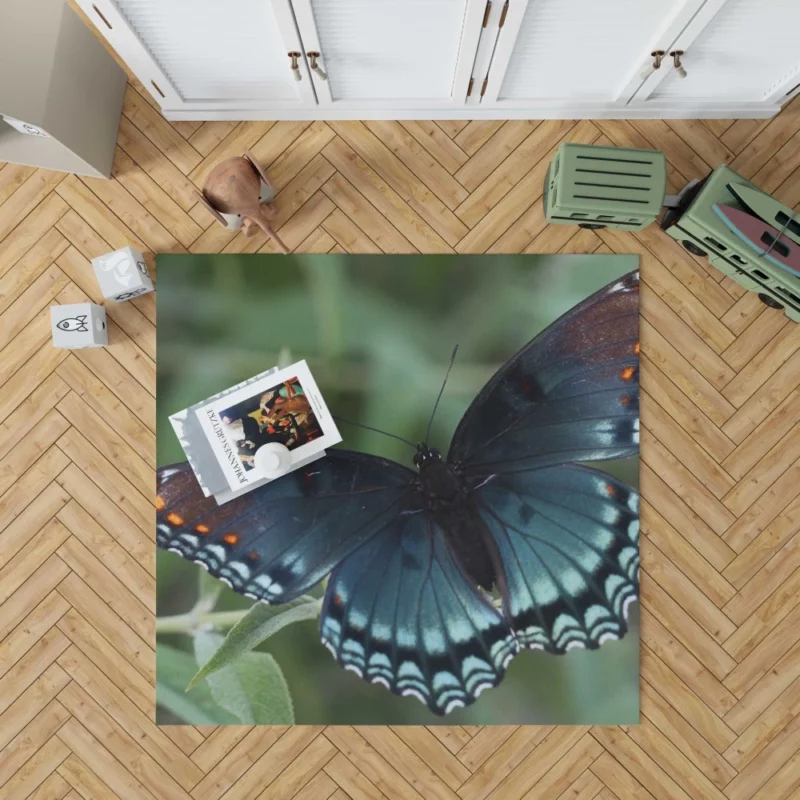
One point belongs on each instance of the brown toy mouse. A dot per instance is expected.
(234, 187)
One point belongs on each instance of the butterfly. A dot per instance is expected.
(439, 575)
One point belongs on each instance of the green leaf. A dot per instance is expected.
(252, 688)
(260, 622)
(174, 668)
(208, 590)
(176, 701)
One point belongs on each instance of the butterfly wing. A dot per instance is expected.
(400, 611)
(571, 394)
(276, 542)
(565, 536)
(568, 540)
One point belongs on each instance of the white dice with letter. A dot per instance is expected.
(78, 325)
(122, 274)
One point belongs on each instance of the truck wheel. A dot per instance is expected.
(769, 301)
(592, 226)
(693, 248)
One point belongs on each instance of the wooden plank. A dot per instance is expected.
(379, 158)
(30, 230)
(437, 143)
(108, 624)
(99, 721)
(12, 176)
(352, 203)
(684, 736)
(37, 769)
(537, 148)
(344, 231)
(26, 198)
(227, 766)
(163, 172)
(683, 555)
(160, 132)
(156, 200)
(426, 168)
(133, 722)
(384, 199)
(40, 619)
(31, 266)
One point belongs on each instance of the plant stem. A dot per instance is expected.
(186, 623)
(200, 617)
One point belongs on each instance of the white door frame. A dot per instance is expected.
(503, 50)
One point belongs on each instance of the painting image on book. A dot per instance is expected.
(281, 414)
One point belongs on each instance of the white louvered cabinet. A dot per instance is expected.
(469, 59)
(396, 53)
(742, 51)
(578, 52)
(230, 57)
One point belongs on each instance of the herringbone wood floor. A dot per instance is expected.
(720, 471)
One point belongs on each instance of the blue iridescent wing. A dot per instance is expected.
(398, 610)
(275, 543)
(571, 394)
(401, 612)
(568, 541)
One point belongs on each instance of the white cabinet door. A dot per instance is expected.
(207, 53)
(737, 51)
(579, 53)
(390, 53)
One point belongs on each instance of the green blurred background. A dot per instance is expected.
(377, 333)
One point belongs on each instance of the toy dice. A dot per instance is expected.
(122, 274)
(78, 325)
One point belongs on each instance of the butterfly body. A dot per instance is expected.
(513, 509)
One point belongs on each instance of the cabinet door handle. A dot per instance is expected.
(294, 65)
(676, 59)
(313, 56)
(658, 56)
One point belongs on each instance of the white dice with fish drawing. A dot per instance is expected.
(78, 325)
(122, 274)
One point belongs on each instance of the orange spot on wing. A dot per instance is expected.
(337, 600)
(230, 538)
(174, 519)
(202, 528)
(627, 373)
(636, 349)
(253, 556)
(611, 490)
(625, 399)
(160, 503)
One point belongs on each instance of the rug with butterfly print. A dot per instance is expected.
(468, 554)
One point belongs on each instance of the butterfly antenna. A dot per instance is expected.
(441, 392)
(375, 430)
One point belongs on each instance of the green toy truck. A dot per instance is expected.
(701, 231)
(605, 187)
(610, 187)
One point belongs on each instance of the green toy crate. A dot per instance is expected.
(605, 187)
(695, 224)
